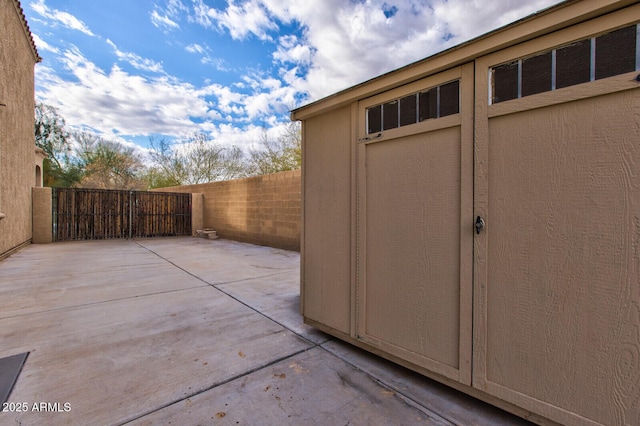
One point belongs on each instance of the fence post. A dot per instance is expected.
(42, 231)
(130, 213)
(197, 212)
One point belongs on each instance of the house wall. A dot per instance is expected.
(17, 147)
(549, 303)
(263, 210)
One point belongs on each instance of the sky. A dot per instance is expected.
(128, 70)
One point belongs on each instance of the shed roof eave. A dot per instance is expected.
(562, 15)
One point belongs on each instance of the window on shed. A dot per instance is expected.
(429, 104)
(436, 102)
(573, 64)
(374, 119)
(616, 52)
(536, 74)
(449, 99)
(505, 82)
(390, 115)
(408, 110)
(606, 55)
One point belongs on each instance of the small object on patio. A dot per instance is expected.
(208, 233)
(10, 368)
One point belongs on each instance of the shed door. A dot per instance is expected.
(415, 160)
(557, 285)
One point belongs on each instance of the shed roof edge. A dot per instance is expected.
(575, 11)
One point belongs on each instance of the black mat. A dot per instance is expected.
(10, 368)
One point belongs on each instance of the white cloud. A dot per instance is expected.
(206, 58)
(338, 44)
(195, 48)
(229, 102)
(342, 43)
(167, 17)
(104, 101)
(467, 19)
(345, 43)
(136, 61)
(163, 21)
(291, 50)
(117, 100)
(240, 20)
(43, 45)
(64, 18)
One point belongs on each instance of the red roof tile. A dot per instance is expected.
(27, 31)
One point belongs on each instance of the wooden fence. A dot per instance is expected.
(93, 214)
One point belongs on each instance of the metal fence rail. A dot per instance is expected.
(94, 214)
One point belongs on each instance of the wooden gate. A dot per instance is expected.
(94, 214)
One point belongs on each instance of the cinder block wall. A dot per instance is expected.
(264, 210)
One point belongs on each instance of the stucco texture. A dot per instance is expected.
(17, 147)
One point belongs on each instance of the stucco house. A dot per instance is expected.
(20, 162)
(475, 216)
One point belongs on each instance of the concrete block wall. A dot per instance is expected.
(42, 215)
(263, 210)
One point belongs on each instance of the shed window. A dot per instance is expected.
(429, 104)
(390, 115)
(573, 64)
(436, 102)
(505, 81)
(408, 110)
(607, 55)
(536, 74)
(616, 53)
(449, 99)
(374, 119)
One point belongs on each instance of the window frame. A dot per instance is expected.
(418, 86)
(589, 36)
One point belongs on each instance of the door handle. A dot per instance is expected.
(479, 224)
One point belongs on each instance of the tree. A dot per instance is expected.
(194, 160)
(284, 153)
(107, 164)
(59, 168)
(156, 178)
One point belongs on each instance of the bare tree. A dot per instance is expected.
(107, 164)
(59, 167)
(196, 159)
(284, 153)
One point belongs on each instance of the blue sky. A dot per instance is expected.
(130, 69)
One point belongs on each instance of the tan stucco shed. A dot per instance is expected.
(475, 216)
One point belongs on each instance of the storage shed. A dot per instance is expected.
(475, 216)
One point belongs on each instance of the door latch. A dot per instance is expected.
(479, 224)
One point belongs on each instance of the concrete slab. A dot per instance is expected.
(223, 261)
(450, 404)
(119, 360)
(310, 388)
(264, 278)
(70, 274)
(192, 331)
(277, 297)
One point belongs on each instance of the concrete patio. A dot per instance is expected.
(188, 331)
